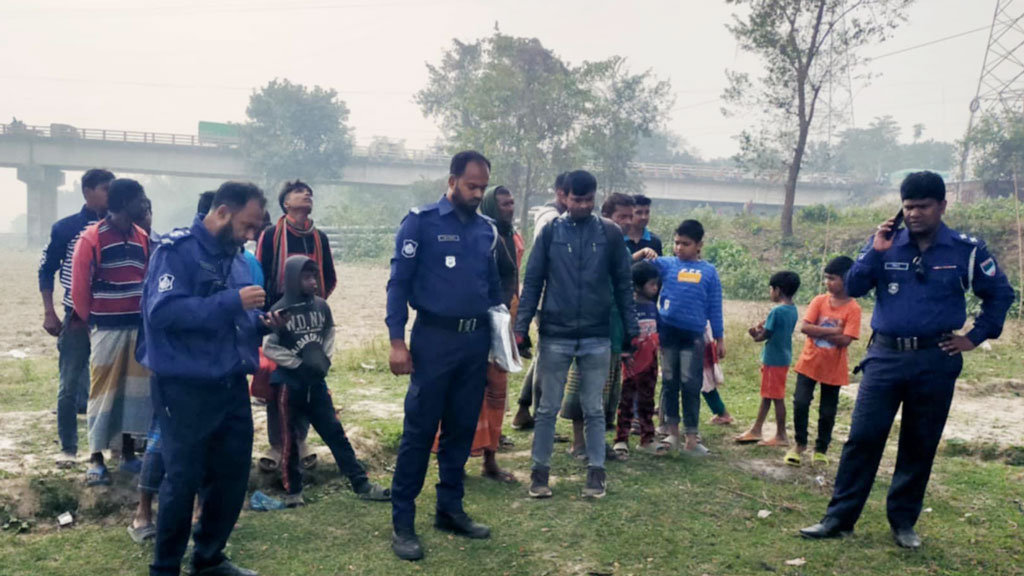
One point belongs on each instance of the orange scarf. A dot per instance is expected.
(281, 229)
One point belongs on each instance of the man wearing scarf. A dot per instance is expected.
(294, 234)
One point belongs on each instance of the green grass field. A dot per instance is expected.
(672, 515)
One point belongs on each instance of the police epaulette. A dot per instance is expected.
(424, 208)
(972, 240)
(175, 235)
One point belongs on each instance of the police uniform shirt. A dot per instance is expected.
(922, 294)
(442, 265)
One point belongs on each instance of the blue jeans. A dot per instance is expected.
(592, 356)
(73, 393)
(683, 373)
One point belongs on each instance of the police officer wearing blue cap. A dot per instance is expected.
(920, 275)
(201, 326)
(444, 267)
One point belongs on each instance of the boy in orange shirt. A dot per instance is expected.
(831, 323)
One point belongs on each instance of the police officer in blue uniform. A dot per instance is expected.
(201, 331)
(920, 275)
(444, 267)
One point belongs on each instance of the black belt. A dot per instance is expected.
(909, 343)
(461, 325)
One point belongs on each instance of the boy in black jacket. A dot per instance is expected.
(301, 345)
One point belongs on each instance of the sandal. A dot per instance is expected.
(722, 420)
(270, 461)
(649, 448)
(66, 461)
(97, 476)
(505, 442)
(579, 453)
(141, 534)
(307, 458)
(621, 450)
(698, 450)
(666, 445)
(748, 438)
(375, 493)
(502, 476)
(792, 458)
(820, 458)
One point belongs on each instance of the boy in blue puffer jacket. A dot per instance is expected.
(691, 296)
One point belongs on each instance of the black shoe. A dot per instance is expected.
(906, 538)
(406, 546)
(225, 568)
(462, 525)
(539, 484)
(827, 528)
(595, 483)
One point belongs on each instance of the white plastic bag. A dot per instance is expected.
(504, 352)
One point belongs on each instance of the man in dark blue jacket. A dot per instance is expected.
(920, 275)
(573, 263)
(72, 332)
(202, 329)
(444, 268)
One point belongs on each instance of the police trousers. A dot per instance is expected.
(206, 431)
(446, 387)
(922, 382)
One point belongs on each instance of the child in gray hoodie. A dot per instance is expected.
(301, 345)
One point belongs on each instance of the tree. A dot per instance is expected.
(536, 115)
(296, 132)
(621, 108)
(665, 147)
(997, 147)
(869, 154)
(512, 99)
(803, 46)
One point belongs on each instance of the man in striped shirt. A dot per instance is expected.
(72, 333)
(108, 270)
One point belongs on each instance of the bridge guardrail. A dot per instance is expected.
(430, 157)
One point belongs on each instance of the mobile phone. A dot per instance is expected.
(897, 223)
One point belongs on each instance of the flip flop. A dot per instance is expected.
(747, 438)
(792, 458)
(307, 458)
(722, 420)
(502, 476)
(97, 476)
(141, 534)
(820, 458)
(505, 442)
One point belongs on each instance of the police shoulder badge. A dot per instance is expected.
(449, 261)
(988, 267)
(894, 288)
(409, 248)
(166, 283)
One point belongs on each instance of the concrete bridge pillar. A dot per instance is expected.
(41, 183)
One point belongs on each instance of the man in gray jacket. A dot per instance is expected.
(574, 261)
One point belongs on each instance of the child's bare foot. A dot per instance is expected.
(775, 441)
(748, 437)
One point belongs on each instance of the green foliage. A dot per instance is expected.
(295, 131)
(803, 45)
(818, 213)
(997, 147)
(516, 100)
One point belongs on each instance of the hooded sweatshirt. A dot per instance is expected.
(305, 345)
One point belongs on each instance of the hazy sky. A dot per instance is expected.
(164, 65)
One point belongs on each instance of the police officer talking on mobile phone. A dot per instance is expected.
(920, 275)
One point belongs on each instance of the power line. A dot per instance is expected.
(929, 43)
